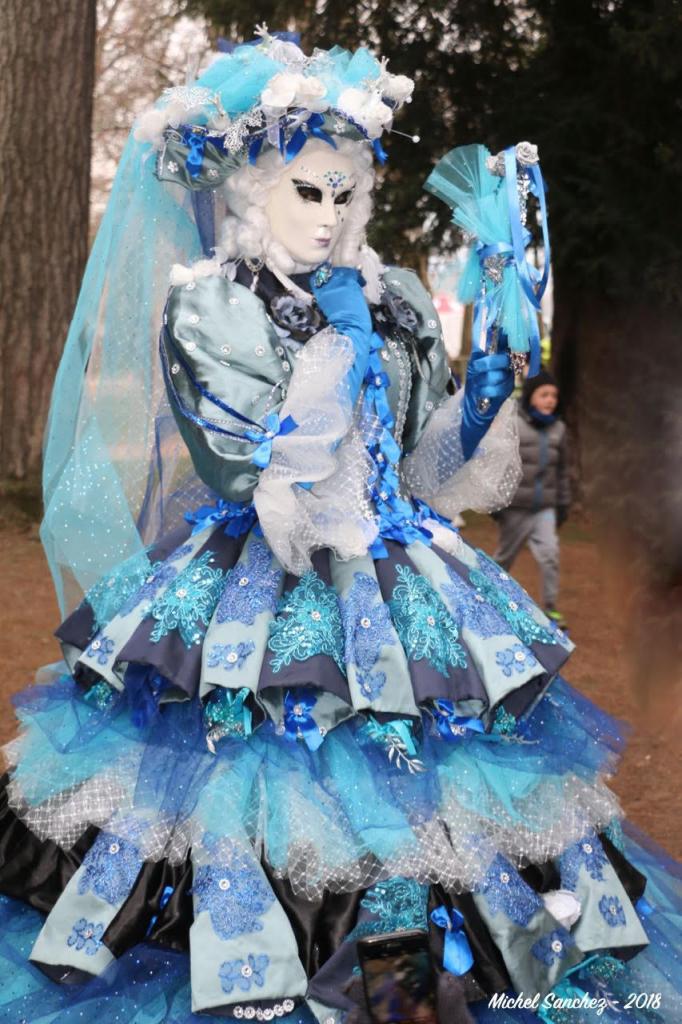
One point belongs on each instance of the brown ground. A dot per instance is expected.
(648, 781)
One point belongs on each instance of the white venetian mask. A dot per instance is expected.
(307, 206)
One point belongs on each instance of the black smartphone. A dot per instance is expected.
(398, 976)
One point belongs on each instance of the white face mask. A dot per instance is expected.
(307, 207)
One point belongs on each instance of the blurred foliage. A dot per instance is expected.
(595, 83)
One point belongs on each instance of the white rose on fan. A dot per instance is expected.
(293, 90)
(367, 109)
(398, 88)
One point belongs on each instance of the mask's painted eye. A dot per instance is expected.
(307, 192)
(344, 198)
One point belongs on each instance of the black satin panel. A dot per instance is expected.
(141, 918)
(488, 973)
(542, 877)
(32, 870)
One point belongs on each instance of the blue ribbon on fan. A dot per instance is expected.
(457, 955)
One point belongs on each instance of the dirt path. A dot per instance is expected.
(647, 782)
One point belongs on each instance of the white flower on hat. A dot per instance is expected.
(367, 108)
(398, 88)
(288, 89)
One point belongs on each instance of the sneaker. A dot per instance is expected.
(556, 617)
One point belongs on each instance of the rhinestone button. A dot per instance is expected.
(233, 301)
(288, 1005)
(224, 884)
(238, 1012)
(246, 971)
(225, 349)
(315, 615)
(513, 605)
(279, 350)
(190, 346)
(249, 1013)
(428, 406)
(194, 319)
(383, 495)
(587, 847)
(268, 1014)
(259, 350)
(520, 656)
(286, 365)
(175, 368)
(432, 323)
(430, 619)
(298, 709)
(232, 657)
(243, 581)
(504, 878)
(181, 592)
(96, 644)
(557, 946)
(365, 622)
(213, 173)
(114, 848)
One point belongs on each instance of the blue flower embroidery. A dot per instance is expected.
(552, 947)
(188, 604)
(371, 684)
(611, 909)
(229, 656)
(470, 609)
(160, 576)
(235, 896)
(100, 648)
(366, 622)
(398, 904)
(424, 625)
(244, 973)
(506, 891)
(251, 587)
(110, 868)
(587, 853)
(510, 600)
(515, 659)
(110, 593)
(86, 936)
(308, 623)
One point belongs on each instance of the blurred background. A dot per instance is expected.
(597, 85)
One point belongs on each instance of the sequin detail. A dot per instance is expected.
(160, 577)
(110, 868)
(110, 593)
(398, 904)
(521, 622)
(506, 891)
(242, 974)
(515, 659)
(611, 909)
(552, 947)
(226, 714)
(86, 936)
(614, 832)
(505, 723)
(100, 649)
(367, 625)
(230, 656)
(187, 605)
(251, 587)
(423, 623)
(235, 896)
(308, 623)
(469, 609)
(588, 853)
(100, 696)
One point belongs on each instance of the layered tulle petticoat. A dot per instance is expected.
(237, 773)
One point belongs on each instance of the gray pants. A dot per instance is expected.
(519, 526)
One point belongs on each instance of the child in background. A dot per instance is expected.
(542, 500)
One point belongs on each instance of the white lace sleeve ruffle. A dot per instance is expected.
(325, 450)
(437, 471)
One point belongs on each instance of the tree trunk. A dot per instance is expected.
(46, 88)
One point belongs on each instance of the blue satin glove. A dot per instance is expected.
(489, 381)
(344, 305)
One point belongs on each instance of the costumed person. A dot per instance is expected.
(296, 710)
(542, 500)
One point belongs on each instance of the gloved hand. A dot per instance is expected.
(489, 381)
(344, 305)
(561, 515)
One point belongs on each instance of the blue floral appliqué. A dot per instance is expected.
(251, 587)
(109, 594)
(587, 853)
(235, 896)
(160, 576)
(552, 947)
(611, 909)
(86, 936)
(100, 648)
(244, 973)
(510, 600)
(110, 868)
(424, 625)
(398, 904)
(515, 659)
(230, 656)
(179, 553)
(187, 605)
(506, 891)
(308, 623)
(367, 625)
(470, 609)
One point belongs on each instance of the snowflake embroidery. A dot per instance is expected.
(244, 973)
(230, 656)
(187, 605)
(424, 625)
(251, 587)
(496, 587)
(504, 723)
(398, 904)
(110, 868)
(110, 594)
(366, 623)
(552, 947)
(470, 609)
(515, 659)
(611, 909)
(86, 936)
(160, 576)
(371, 684)
(235, 896)
(587, 853)
(308, 623)
(100, 648)
(506, 891)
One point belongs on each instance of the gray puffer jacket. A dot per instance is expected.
(544, 483)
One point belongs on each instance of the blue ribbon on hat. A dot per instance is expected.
(457, 955)
(379, 151)
(195, 156)
(312, 127)
(273, 428)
